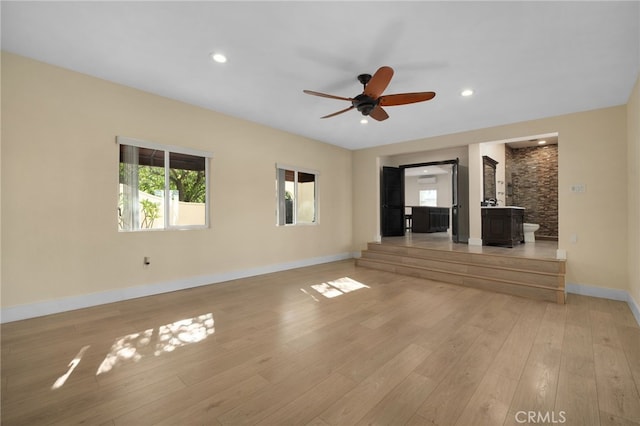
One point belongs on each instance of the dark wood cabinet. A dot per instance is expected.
(429, 219)
(502, 226)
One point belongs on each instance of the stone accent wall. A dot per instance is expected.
(532, 182)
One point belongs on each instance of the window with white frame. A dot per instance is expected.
(297, 196)
(162, 187)
(429, 197)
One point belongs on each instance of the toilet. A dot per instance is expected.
(529, 229)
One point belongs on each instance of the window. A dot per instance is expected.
(297, 196)
(161, 187)
(429, 197)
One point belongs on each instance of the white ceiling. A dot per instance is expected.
(528, 143)
(524, 60)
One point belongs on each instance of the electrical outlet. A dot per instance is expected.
(573, 238)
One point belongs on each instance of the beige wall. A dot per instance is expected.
(442, 185)
(59, 129)
(588, 142)
(1, 251)
(58, 142)
(633, 192)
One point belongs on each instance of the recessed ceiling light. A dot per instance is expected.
(467, 92)
(364, 121)
(541, 142)
(219, 57)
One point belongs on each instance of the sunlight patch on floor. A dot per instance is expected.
(184, 332)
(72, 366)
(133, 347)
(338, 287)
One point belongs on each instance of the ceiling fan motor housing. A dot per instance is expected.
(365, 104)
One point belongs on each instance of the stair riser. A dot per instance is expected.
(515, 290)
(523, 290)
(525, 277)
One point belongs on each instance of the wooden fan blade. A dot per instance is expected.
(406, 98)
(339, 112)
(324, 95)
(378, 114)
(378, 82)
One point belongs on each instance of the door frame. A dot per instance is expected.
(456, 203)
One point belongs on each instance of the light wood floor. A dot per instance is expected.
(277, 350)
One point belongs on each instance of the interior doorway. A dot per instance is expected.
(415, 197)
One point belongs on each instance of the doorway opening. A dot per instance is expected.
(427, 198)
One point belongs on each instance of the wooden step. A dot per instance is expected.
(534, 278)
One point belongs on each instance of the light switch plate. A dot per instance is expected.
(578, 187)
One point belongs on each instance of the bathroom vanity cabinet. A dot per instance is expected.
(502, 226)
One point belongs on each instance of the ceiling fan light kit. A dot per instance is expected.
(218, 57)
(370, 101)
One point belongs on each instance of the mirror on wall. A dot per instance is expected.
(489, 180)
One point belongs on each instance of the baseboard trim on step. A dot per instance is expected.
(606, 293)
(474, 241)
(48, 307)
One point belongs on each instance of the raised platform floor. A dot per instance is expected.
(542, 249)
(529, 270)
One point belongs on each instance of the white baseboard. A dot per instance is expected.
(606, 293)
(32, 310)
(635, 308)
(17, 313)
(475, 241)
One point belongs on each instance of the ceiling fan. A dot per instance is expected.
(371, 101)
